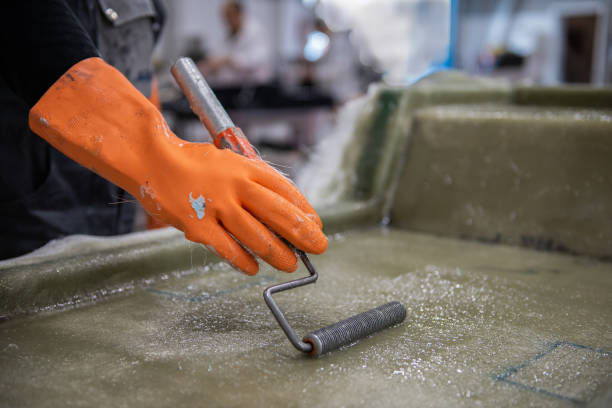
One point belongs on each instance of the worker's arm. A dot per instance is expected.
(95, 116)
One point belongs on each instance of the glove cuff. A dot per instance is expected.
(95, 116)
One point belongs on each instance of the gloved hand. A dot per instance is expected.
(95, 116)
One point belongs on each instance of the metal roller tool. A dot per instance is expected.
(226, 135)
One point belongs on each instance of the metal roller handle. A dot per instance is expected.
(202, 99)
(206, 106)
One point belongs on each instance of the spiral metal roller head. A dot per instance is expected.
(356, 327)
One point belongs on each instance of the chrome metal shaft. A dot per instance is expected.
(278, 315)
(201, 98)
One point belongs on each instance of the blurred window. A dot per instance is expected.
(405, 38)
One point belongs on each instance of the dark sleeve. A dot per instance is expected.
(39, 41)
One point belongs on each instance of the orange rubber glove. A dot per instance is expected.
(152, 222)
(95, 116)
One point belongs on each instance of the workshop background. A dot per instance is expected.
(325, 53)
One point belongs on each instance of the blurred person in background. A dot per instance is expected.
(245, 57)
(195, 49)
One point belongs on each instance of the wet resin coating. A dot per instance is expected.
(487, 325)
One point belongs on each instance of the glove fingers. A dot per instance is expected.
(219, 241)
(259, 239)
(273, 180)
(285, 219)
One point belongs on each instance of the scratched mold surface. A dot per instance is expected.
(487, 325)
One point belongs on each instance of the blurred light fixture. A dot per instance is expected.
(316, 46)
(309, 3)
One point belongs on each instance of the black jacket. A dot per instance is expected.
(43, 194)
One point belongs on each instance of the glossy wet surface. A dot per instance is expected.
(486, 325)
